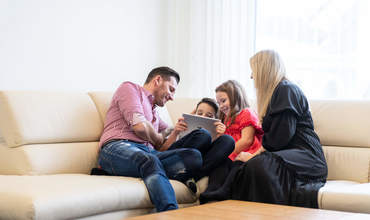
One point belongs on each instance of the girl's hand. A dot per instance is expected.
(244, 156)
(180, 126)
(261, 150)
(220, 128)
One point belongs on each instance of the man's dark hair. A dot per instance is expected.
(210, 102)
(164, 72)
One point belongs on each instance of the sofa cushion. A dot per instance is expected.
(30, 117)
(342, 123)
(36, 159)
(102, 102)
(348, 163)
(1, 138)
(179, 106)
(345, 196)
(70, 196)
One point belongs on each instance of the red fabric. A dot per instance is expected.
(245, 118)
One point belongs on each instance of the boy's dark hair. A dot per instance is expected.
(210, 102)
(164, 72)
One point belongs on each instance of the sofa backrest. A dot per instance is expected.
(343, 123)
(343, 127)
(179, 106)
(48, 132)
(1, 138)
(30, 117)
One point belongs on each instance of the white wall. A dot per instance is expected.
(79, 45)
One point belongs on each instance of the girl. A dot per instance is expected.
(242, 124)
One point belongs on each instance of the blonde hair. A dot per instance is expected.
(268, 71)
(237, 96)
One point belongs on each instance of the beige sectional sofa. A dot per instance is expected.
(50, 144)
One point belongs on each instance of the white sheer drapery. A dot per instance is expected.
(209, 42)
(324, 43)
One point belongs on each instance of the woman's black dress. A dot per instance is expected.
(293, 167)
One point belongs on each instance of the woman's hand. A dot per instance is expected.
(180, 126)
(244, 156)
(220, 128)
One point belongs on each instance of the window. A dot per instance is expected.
(324, 44)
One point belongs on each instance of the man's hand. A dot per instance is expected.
(180, 126)
(145, 131)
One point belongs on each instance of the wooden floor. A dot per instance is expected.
(238, 210)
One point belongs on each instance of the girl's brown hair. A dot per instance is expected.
(237, 96)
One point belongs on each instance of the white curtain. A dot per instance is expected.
(209, 42)
(325, 44)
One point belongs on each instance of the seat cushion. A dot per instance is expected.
(345, 196)
(70, 196)
(37, 159)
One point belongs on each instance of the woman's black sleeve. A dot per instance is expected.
(282, 129)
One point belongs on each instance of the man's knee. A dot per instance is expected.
(147, 163)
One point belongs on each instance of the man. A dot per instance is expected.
(131, 142)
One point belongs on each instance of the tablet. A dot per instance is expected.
(196, 121)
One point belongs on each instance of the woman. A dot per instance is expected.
(292, 167)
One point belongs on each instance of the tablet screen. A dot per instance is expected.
(196, 121)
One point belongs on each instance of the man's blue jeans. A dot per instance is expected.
(126, 158)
